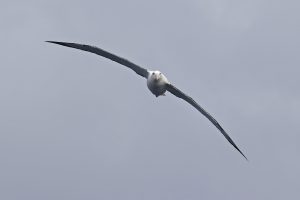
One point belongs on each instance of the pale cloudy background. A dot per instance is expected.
(77, 126)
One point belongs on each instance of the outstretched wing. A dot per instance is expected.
(191, 101)
(139, 70)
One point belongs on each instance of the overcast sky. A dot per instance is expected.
(74, 125)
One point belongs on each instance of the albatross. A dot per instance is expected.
(157, 82)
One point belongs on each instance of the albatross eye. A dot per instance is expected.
(153, 73)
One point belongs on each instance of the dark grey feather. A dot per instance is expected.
(139, 70)
(191, 101)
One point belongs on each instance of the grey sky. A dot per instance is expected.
(68, 131)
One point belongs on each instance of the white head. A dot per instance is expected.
(155, 75)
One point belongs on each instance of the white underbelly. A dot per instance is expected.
(156, 87)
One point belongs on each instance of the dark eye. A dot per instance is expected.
(160, 73)
(153, 73)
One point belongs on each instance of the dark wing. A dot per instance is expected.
(191, 101)
(139, 70)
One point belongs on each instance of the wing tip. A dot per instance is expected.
(66, 44)
(243, 154)
(234, 145)
(54, 42)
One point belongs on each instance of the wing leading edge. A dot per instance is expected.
(175, 91)
(139, 70)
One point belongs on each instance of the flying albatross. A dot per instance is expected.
(157, 83)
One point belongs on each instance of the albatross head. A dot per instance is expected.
(156, 75)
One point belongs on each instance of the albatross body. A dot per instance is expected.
(157, 83)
